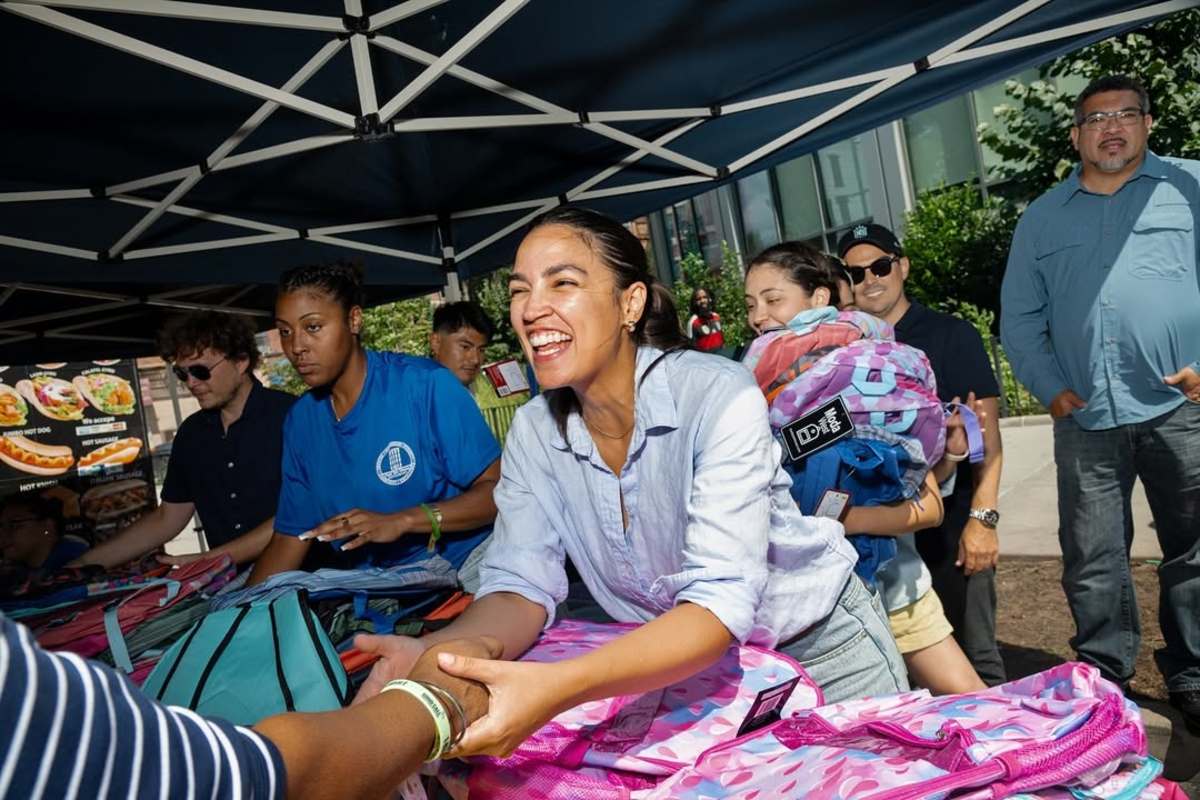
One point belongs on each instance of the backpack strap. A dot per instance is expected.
(112, 622)
(971, 428)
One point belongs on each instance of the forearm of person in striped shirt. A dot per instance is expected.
(73, 728)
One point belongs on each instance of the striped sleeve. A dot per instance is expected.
(72, 728)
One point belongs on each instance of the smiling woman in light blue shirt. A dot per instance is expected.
(653, 468)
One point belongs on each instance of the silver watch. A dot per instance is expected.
(988, 516)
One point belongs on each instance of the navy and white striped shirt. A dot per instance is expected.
(73, 728)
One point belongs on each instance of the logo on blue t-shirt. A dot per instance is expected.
(396, 463)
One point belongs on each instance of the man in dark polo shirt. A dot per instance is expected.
(960, 553)
(225, 459)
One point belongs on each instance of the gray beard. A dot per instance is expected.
(1113, 165)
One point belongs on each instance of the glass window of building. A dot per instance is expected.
(759, 220)
(986, 101)
(844, 181)
(941, 145)
(709, 229)
(799, 199)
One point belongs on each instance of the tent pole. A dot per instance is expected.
(402, 11)
(461, 48)
(363, 76)
(168, 58)
(201, 12)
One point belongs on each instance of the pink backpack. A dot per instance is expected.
(94, 625)
(608, 748)
(1063, 728)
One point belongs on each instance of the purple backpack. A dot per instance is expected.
(1062, 729)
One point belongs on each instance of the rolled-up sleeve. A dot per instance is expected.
(525, 555)
(1025, 319)
(728, 513)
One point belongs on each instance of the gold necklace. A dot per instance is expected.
(592, 427)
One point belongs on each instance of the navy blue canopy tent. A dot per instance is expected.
(157, 154)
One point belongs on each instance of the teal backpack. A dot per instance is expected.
(250, 661)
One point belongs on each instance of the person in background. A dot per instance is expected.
(386, 459)
(224, 463)
(1101, 318)
(844, 299)
(31, 534)
(77, 728)
(653, 468)
(461, 334)
(704, 326)
(792, 279)
(962, 551)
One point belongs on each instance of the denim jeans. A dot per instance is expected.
(851, 653)
(1096, 472)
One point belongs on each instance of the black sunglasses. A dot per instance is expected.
(881, 268)
(197, 371)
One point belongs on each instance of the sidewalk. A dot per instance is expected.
(1029, 528)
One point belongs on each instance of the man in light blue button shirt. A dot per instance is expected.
(1101, 318)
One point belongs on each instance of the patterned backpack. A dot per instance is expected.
(607, 748)
(888, 388)
(1061, 733)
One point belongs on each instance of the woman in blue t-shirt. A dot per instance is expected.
(387, 457)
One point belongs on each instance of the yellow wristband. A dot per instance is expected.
(441, 720)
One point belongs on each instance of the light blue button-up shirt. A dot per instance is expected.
(711, 519)
(1102, 294)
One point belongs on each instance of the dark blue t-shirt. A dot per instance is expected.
(414, 436)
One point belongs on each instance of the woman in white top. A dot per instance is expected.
(654, 468)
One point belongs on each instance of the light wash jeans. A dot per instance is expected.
(1096, 471)
(851, 653)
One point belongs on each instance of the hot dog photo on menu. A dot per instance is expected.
(122, 451)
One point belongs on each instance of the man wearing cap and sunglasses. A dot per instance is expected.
(225, 459)
(961, 553)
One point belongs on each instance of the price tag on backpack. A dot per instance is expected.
(817, 429)
(766, 707)
(833, 504)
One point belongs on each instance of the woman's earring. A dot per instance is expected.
(630, 325)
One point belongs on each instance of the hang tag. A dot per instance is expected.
(817, 429)
(767, 707)
(833, 504)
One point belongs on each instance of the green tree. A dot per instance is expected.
(957, 243)
(402, 326)
(725, 283)
(491, 292)
(1031, 135)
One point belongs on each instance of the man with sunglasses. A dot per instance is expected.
(1101, 319)
(961, 553)
(225, 458)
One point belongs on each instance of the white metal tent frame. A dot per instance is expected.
(375, 120)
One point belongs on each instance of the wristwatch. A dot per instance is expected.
(990, 517)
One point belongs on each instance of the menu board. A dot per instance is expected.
(77, 432)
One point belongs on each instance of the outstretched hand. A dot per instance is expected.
(524, 696)
(361, 527)
(397, 656)
(472, 694)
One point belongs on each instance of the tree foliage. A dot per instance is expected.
(491, 292)
(957, 244)
(727, 286)
(1032, 134)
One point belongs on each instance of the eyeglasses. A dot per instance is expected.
(1097, 120)
(197, 371)
(880, 268)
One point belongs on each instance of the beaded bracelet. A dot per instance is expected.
(441, 720)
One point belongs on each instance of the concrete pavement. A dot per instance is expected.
(1029, 495)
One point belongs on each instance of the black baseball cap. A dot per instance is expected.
(870, 233)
